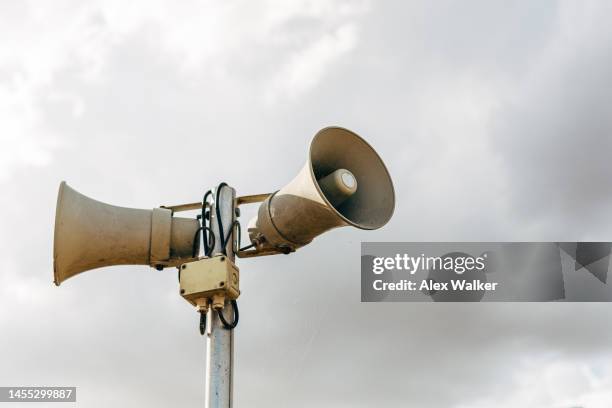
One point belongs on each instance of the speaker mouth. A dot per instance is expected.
(373, 204)
(58, 217)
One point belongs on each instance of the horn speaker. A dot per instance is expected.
(90, 234)
(343, 183)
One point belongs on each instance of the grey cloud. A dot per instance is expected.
(553, 135)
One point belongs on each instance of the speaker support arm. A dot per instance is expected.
(248, 199)
(241, 200)
(251, 199)
(183, 207)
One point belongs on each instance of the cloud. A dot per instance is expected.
(553, 132)
(306, 67)
(554, 383)
(287, 45)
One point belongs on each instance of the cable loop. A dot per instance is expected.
(202, 322)
(230, 326)
(219, 221)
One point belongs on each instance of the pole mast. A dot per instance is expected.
(219, 340)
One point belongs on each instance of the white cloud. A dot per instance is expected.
(216, 40)
(306, 66)
(553, 382)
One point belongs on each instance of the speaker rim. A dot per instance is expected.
(316, 183)
(58, 212)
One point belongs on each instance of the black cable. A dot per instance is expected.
(209, 192)
(193, 249)
(239, 237)
(227, 325)
(202, 221)
(196, 241)
(219, 222)
(205, 203)
(202, 322)
(211, 243)
(229, 233)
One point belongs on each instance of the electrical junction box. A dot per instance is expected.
(209, 276)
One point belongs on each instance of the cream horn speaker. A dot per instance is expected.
(344, 182)
(90, 234)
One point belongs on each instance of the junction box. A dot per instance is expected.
(208, 278)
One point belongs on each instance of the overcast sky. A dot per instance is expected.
(493, 117)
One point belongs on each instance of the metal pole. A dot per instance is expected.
(220, 341)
